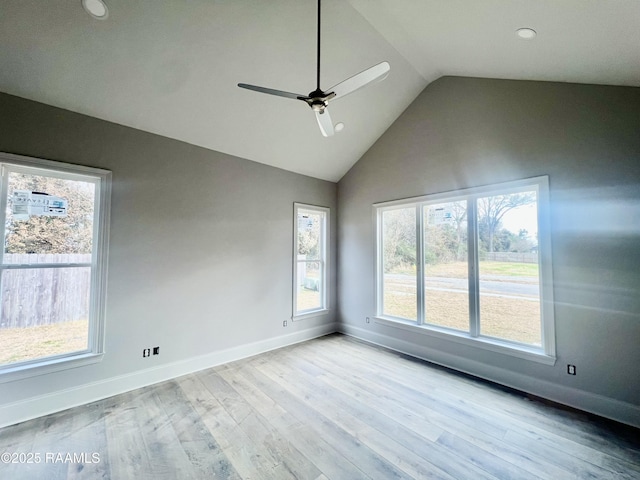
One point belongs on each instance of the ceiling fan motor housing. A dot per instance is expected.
(318, 100)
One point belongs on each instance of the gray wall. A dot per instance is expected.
(200, 250)
(463, 132)
(201, 242)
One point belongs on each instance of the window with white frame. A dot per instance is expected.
(52, 265)
(472, 265)
(311, 231)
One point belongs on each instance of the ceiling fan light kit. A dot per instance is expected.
(318, 99)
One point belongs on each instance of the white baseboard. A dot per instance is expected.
(613, 409)
(17, 412)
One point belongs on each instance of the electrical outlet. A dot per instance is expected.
(571, 369)
(156, 350)
(367, 320)
(284, 323)
(146, 352)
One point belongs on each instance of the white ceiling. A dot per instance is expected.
(171, 67)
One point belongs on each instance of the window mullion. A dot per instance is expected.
(4, 187)
(474, 281)
(3, 207)
(296, 262)
(379, 266)
(323, 286)
(420, 263)
(27, 266)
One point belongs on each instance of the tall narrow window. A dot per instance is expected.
(508, 267)
(446, 265)
(310, 260)
(51, 265)
(484, 268)
(399, 262)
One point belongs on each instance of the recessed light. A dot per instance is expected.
(96, 8)
(339, 127)
(526, 33)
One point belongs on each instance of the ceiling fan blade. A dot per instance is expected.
(271, 91)
(324, 121)
(350, 85)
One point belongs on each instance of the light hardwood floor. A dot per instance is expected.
(331, 408)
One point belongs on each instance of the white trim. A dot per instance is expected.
(378, 304)
(323, 261)
(41, 163)
(544, 267)
(420, 284)
(47, 365)
(23, 266)
(473, 269)
(513, 186)
(22, 410)
(101, 179)
(486, 343)
(4, 200)
(310, 314)
(613, 409)
(100, 260)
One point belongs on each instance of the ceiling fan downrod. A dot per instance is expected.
(318, 100)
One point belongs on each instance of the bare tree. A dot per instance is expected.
(459, 213)
(492, 209)
(309, 232)
(54, 235)
(399, 233)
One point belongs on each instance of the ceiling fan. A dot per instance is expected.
(318, 100)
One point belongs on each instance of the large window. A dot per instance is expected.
(51, 265)
(310, 260)
(472, 265)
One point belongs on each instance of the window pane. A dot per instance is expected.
(399, 263)
(44, 311)
(310, 234)
(508, 267)
(309, 286)
(49, 220)
(446, 269)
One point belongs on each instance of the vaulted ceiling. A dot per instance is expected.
(172, 67)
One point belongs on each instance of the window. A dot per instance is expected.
(473, 266)
(52, 265)
(311, 231)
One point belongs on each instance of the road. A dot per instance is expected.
(491, 285)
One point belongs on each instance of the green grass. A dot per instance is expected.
(460, 269)
(510, 318)
(308, 299)
(29, 343)
(509, 269)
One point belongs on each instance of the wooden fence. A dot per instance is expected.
(44, 296)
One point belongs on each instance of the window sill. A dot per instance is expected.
(494, 345)
(314, 313)
(21, 371)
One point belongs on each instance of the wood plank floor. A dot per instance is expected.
(330, 408)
